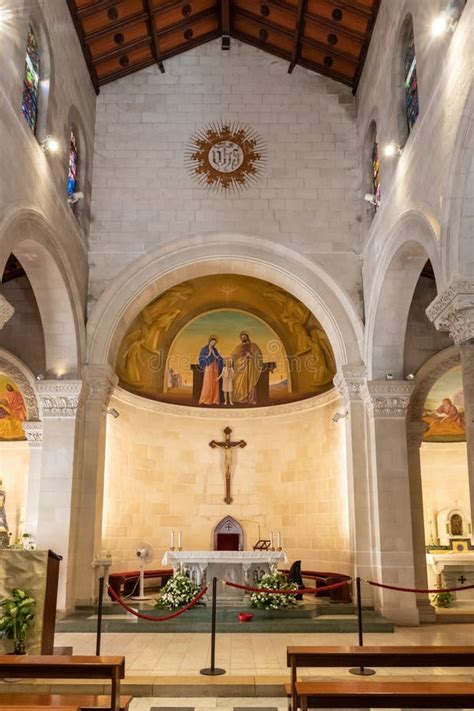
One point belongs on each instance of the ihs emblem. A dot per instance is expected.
(225, 156)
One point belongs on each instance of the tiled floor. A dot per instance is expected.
(183, 655)
(212, 704)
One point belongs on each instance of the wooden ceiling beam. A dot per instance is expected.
(263, 21)
(123, 49)
(116, 27)
(85, 49)
(93, 7)
(154, 37)
(187, 22)
(225, 24)
(298, 32)
(352, 5)
(365, 47)
(336, 27)
(308, 42)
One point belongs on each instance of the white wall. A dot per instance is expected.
(143, 195)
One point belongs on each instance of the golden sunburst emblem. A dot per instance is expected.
(225, 156)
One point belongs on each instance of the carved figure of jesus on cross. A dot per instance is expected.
(228, 446)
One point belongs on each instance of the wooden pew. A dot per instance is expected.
(374, 656)
(62, 667)
(84, 702)
(385, 694)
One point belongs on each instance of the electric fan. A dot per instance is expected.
(145, 553)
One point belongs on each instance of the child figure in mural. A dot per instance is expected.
(227, 377)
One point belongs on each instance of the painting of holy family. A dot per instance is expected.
(12, 410)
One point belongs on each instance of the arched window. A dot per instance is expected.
(29, 103)
(376, 172)
(72, 164)
(410, 82)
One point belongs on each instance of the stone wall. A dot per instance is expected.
(161, 475)
(143, 196)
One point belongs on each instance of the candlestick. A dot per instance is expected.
(279, 541)
(172, 541)
(180, 540)
(271, 540)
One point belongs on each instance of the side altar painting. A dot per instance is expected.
(444, 409)
(12, 410)
(226, 341)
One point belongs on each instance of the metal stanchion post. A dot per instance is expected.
(100, 602)
(212, 670)
(360, 671)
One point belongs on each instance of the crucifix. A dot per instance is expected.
(228, 446)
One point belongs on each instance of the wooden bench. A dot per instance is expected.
(125, 583)
(391, 656)
(385, 694)
(83, 702)
(63, 667)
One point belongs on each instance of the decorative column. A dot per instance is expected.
(350, 381)
(393, 563)
(99, 382)
(415, 432)
(34, 435)
(453, 311)
(59, 403)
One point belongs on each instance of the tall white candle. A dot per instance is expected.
(180, 539)
(172, 539)
(271, 539)
(279, 539)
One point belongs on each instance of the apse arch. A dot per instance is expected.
(411, 243)
(27, 234)
(203, 255)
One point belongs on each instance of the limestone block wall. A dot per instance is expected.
(14, 466)
(33, 180)
(444, 479)
(419, 179)
(144, 197)
(161, 475)
(23, 333)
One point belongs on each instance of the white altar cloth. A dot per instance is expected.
(242, 567)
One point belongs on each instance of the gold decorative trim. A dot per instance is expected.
(225, 156)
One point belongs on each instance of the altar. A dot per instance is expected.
(242, 567)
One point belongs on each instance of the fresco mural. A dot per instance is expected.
(12, 410)
(226, 341)
(444, 409)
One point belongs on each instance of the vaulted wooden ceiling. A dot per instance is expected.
(120, 37)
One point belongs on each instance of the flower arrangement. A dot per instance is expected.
(275, 581)
(443, 598)
(178, 591)
(18, 614)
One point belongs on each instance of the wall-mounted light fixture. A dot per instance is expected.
(49, 145)
(370, 197)
(112, 411)
(392, 149)
(339, 416)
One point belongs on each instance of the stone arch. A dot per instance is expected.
(155, 272)
(27, 234)
(457, 217)
(411, 242)
(24, 378)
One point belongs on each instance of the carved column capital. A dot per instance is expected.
(415, 433)
(33, 433)
(453, 311)
(6, 311)
(388, 398)
(99, 381)
(349, 381)
(59, 398)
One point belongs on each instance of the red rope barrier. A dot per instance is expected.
(191, 604)
(413, 590)
(269, 591)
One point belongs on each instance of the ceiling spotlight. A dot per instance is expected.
(410, 376)
(369, 197)
(443, 23)
(112, 411)
(392, 149)
(40, 376)
(339, 416)
(50, 145)
(389, 376)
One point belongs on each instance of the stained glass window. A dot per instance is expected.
(29, 103)
(411, 83)
(376, 173)
(72, 167)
